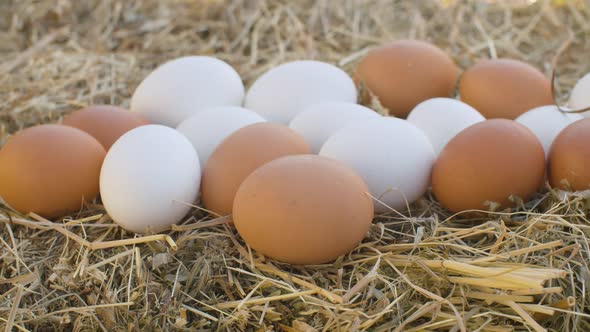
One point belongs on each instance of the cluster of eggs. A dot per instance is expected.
(300, 166)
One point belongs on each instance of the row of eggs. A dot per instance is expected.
(400, 75)
(262, 171)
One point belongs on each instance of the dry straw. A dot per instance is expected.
(424, 270)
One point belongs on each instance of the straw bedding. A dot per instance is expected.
(425, 270)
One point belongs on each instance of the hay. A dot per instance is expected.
(422, 271)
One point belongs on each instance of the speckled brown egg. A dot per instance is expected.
(303, 209)
(504, 88)
(405, 73)
(106, 123)
(569, 157)
(488, 162)
(239, 155)
(50, 170)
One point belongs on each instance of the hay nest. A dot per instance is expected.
(425, 270)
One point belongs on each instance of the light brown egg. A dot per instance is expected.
(504, 88)
(569, 157)
(50, 170)
(303, 209)
(106, 123)
(488, 161)
(239, 155)
(405, 73)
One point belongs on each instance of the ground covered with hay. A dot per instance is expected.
(423, 270)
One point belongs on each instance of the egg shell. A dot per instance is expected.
(208, 128)
(546, 122)
(106, 123)
(580, 95)
(182, 87)
(239, 155)
(50, 170)
(303, 209)
(319, 121)
(488, 161)
(443, 118)
(405, 73)
(392, 156)
(150, 178)
(569, 158)
(284, 91)
(504, 88)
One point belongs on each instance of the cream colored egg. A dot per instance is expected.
(150, 179)
(207, 129)
(443, 118)
(392, 156)
(284, 91)
(546, 122)
(580, 95)
(185, 86)
(319, 121)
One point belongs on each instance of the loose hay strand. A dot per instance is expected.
(525, 316)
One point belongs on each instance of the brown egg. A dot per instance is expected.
(239, 155)
(303, 209)
(569, 157)
(488, 161)
(504, 88)
(50, 170)
(106, 123)
(405, 73)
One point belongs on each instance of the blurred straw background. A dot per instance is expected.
(520, 270)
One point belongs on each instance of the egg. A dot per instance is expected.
(50, 170)
(239, 155)
(149, 179)
(182, 87)
(569, 159)
(504, 88)
(392, 156)
(303, 209)
(284, 91)
(319, 121)
(443, 118)
(405, 73)
(546, 122)
(488, 162)
(580, 95)
(208, 128)
(106, 123)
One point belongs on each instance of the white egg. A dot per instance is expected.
(580, 95)
(284, 91)
(149, 178)
(319, 121)
(546, 122)
(442, 119)
(393, 156)
(182, 87)
(207, 129)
